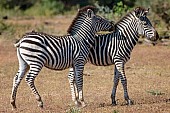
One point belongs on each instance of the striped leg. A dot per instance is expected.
(33, 72)
(17, 79)
(73, 86)
(120, 68)
(116, 81)
(78, 71)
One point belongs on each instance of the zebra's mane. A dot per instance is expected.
(41, 33)
(80, 13)
(136, 10)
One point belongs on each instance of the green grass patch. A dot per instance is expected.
(73, 110)
(155, 92)
(115, 111)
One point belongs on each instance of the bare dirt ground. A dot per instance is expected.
(148, 74)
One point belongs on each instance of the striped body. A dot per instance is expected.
(35, 50)
(53, 52)
(116, 47)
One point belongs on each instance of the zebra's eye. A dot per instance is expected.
(141, 18)
(99, 20)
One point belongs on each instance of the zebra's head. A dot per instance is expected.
(99, 23)
(144, 25)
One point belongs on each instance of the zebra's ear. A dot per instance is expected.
(146, 11)
(137, 12)
(90, 13)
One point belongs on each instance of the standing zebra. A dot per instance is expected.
(36, 50)
(115, 48)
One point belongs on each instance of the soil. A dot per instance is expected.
(148, 75)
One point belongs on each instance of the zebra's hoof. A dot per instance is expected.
(130, 102)
(78, 104)
(40, 105)
(14, 108)
(13, 105)
(114, 103)
(83, 104)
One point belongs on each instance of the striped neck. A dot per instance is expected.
(128, 28)
(85, 33)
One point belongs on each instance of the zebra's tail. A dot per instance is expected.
(17, 43)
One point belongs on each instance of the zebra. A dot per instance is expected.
(37, 49)
(115, 48)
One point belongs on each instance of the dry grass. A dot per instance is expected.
(148, 70)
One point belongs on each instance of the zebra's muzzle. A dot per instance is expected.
(156, 37)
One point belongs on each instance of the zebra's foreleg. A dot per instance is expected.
(73, 86)
(116, 81)
(33, 72)
(124, 83)
(23, 66)
(79, 83)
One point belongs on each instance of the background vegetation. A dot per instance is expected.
(111, 9)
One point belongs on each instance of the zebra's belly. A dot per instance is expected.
(59, 63)
(101, 60)
(57, 68)
(101, 64)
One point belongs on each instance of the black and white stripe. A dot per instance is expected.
(36, 50)
(115, 48)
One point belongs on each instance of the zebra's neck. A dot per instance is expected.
(128, 29)
(85, 33)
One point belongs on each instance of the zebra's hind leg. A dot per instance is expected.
(33, 72)
(73, 87)
(23, 66)
(116, 81)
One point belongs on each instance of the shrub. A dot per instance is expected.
(46, 8)
(104, 11)
(116, 11)
(119, 9)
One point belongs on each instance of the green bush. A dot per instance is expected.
(46, 8)
(104, 11)
(119, 9)
(31, 7)
(3, 26)
(113, 13)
